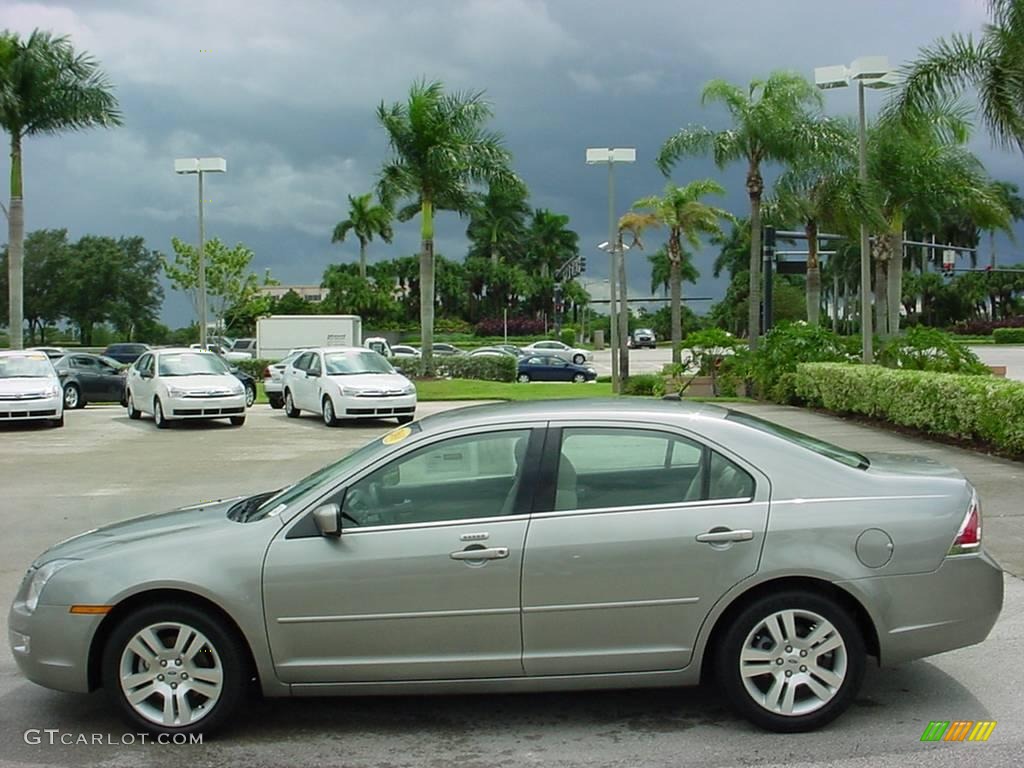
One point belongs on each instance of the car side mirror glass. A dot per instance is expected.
(328, 519)
(314, 374)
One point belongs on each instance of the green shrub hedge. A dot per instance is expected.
(1008, 335)
(983, 408)
(253, 367)
(482, 367)
(644, 384)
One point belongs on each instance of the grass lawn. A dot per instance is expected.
(471, 389)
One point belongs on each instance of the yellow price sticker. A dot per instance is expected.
(397, 436)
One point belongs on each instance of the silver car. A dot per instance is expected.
(527, 547)
(558, 349)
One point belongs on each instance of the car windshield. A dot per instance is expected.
(849, 458)
(332, 472)
(351, 363)
(25, 367)
(192, 364)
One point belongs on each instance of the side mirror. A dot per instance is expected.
(313, 374)
(328, 519)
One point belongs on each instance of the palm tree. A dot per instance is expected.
(549, 241)
(498, 221)
(439, 148)
(823, 189)
(634, 224)
(1009, 194)
(45, 88)
(992, 65)
(771, 123)
(682, 211)
(367, 220)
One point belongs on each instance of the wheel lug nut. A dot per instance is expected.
(160, 677)
(803, 668)
(163, 662)
(789, 649)
(177, 662)
(778, 661)
(184, 676)
(789, 673)
(174, 685)
(803, 653)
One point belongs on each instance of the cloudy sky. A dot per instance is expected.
(286, 91)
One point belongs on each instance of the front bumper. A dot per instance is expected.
(58, 643)
(205, 407)
(928, 613)
(37, 408)
(351, 407)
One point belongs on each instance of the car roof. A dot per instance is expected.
(179, 350)
(35, 354)
(326, 350)
(643, 410)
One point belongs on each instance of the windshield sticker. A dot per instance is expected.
(397, 436)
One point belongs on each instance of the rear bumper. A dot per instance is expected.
(924, 614)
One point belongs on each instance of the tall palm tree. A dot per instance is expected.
(686, 216)
(549, 241)
(45, 88)
(661, 270)
(823, 189)
(1009, 194)
(367, 220)
(440, 149)
(498, 221)
(992, 65)
(771, 123)
(634, 224)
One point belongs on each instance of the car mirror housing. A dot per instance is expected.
(328, 519)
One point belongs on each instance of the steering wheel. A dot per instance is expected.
(365, 500)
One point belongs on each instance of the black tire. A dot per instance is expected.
(579, 359)
(133, 412)
(289, 406)
(327, 410)
(237, 421)
(229, 650)
(57, 423)
(159, 418)
(406, 419)
(250, 395)
(73, 397)
(727, 660)
(276, 402)
(578, 378)
(523, 378)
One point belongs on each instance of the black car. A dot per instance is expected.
(248, 381)
(89, 379)
(125, 352)
(541, 368)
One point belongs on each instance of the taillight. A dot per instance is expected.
(968, 538)
(266, 372)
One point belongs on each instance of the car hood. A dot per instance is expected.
(372, 381)
(906, 464)
(218, 381)
(148, 527)
(26, 386)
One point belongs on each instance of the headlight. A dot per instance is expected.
(239, 389)
(39, 579)
(53, 391)
(176, 392)
(409, 390)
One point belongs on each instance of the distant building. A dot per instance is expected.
(311, 293)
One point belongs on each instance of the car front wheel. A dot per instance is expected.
(330, 418)
(133, 412)
(73, 397)
(289, 406)
(523, 378)
(158, 415)
(578, 359)
(791, 662)
(171, 668)
(578, 378)
(250, 395)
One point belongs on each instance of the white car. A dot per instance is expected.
(342, 383)
(273, 381)
(30, 388)
(379, 345)
(404, 350)
(242, 349)
(173, 384)
(558, 349)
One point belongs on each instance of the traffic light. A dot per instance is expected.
(583, 264)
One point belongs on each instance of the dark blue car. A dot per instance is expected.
(542, 368)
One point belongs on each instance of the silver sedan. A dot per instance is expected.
(527, 547)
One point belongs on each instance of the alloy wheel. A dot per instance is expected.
(793, 662)
(171, 674)
(71, 396)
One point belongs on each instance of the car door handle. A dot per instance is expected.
(722, 536)
(491, 553)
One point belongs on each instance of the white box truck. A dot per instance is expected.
(278, 334)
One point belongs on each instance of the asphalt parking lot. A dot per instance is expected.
(102, 467)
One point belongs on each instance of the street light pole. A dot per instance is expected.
(869, 72)
(613, 307)
(866, 326)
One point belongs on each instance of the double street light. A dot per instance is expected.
(199, 166)
(610, 156)
(868, 72)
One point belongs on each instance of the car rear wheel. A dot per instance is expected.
(327, 407)
(523, 378)
(289, 406)
(791, 662)
(578, 378)
(73, 397)
(578, 359)
(250, 395)
(171, 669)
(133, 412)
(275, 402)
(158, 415)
